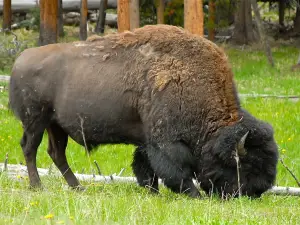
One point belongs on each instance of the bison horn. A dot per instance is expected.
(241, 145)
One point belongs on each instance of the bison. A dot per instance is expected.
(168, 92)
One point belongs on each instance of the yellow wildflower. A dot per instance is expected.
(289, 139)
(34, 203)
(283, 150)
(49, 216)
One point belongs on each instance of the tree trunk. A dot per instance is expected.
(160, 12)
(296, 29)
(6, 15)
(123, 15)
(134, 14)
(101, 18)
(281, 8)
(60, 22)
(48, 14)
(193, 16)
(262, 33)
(42, 9)
(83, 20)
(211, 19)
(243, 31)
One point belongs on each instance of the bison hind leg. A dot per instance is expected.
(30, 143)
(57, 145)
(174, 163)
(143, 171)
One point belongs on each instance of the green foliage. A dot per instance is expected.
(174, 13)
(12, 44)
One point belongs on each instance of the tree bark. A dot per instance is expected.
(6, 15)
(42, 9)
(123, 15)
(83, 20)
(296, 29)
(243, 31)
(101, 18)
(160, 12)
(281, 8)
(134, 14)
(193, 16)
(60, 22)
(211, 19)
(48, 15)
(262, 33)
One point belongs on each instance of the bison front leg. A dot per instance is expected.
(143, 171)
(58, 140)
(174, 163)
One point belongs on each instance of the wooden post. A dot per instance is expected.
(211, 19)
(160, 12)
(6, 15)
(48, 15)
(134, 14)
(83, 20)
(193, 16)
(101, 18)
(123, 15)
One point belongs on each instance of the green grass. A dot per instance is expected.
(130, 204)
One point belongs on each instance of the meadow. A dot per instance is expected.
(130, 204)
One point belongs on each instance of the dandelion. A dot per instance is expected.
(49, 216)
(289, 139)
(34, 203)
(283, 150)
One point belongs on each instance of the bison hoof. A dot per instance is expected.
(79, 188)
(195, 194)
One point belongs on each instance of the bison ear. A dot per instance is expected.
(241, 145)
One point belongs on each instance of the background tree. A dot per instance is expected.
(83, 20)
(60, 22)
(134, 14)
(296, 29)
(123, 15)
(211, 19)
(101, 18)
(193, 16)
(243, 30)
(6, 14)
(160, 11)
(261, 32)
(48, 21)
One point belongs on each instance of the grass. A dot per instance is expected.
(130, 204)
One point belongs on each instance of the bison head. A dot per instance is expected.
(245, 152)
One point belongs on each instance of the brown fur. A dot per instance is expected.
(205, 69)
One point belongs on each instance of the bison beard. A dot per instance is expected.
(168, 92)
